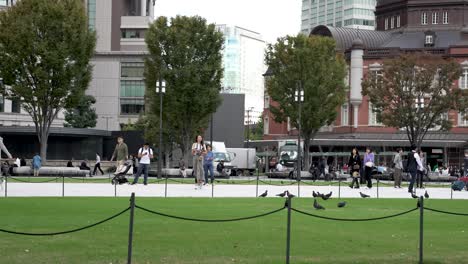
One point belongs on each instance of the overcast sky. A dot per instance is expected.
(271, 18)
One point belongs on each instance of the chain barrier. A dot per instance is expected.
(68, 231)
(280, 184)
(209, 220)
(21, 180)
(445, 212)
(354, 219)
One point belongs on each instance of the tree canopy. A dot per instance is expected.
(83, 115)
(45, 49)
(415, 93)
(312, 63)
(186, 53)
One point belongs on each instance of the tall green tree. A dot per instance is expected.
(310, 62)
(186, 53)
(415, 93)
(83, 115)
(45, 49)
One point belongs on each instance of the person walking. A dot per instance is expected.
(36, 164)
(198, 151)
(145, 154)
(354, 164)
(412, 166)
(421, 170)
(368, 164)
(120, 152)
(208, 164)
(398, 165)
(98, 165)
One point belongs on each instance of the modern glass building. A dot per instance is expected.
(244, 65)
(338, 13)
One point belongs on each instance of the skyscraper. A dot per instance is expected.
(243, 62)
(338, 13)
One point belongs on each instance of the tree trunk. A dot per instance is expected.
(43, 146)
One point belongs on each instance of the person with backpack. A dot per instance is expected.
(398, 165)
(414, 164)
(145, 154)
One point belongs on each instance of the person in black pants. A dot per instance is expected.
(412, 167)
(97, 166)
(354, 164)
(368, 165)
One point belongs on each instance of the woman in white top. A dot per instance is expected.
(198, 151)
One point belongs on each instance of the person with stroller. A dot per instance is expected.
(354, 164)
(145, 154)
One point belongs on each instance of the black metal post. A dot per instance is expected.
(212, 189)
(256, 192)
(160, 128)
(165, 188)
(288, 231)
(115, 189)
(339, 188)
(6, 186)
(378, 187)
(298, 187)
(211, 132)
(451, 193)
(421, 232)
(130, 230)
(63, 186)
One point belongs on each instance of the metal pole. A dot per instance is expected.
(115, 189)
(288, 231)
(130, 231)
(378, 187)
(248, 141)
(63, 186)
(160, 128)
(256, 192)
(451, 193)
(212, 189)
(339, 188)
(421, 222)
(211, 132)
(6, 186)
(298, 187)
(165, 188)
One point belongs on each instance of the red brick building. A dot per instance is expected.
(403, 26)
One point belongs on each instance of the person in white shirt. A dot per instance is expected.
(98, 165)
(145, 154)
(18, 162)
(279, 167)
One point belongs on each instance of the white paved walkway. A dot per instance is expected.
(15, 189)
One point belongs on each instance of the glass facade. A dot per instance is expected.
(132, 88)
(337, 13)
(92, 14)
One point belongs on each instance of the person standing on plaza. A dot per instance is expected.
(36, 164)
(198, 151)
(398, 162)
(145, 154)
(368, 164)
(208, 164)
(98, 165)
(120, 152)
(354, 164)
(421, 170)
(412, 166)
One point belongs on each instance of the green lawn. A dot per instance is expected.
(159, 239)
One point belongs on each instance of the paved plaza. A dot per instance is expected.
(160, 189)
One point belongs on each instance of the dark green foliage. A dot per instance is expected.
(45, 48)
(82, 116)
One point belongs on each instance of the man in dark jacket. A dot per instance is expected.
(412, 167)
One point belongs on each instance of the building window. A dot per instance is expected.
(267, 101)
(16, 106)
(398, 21)
(463, 118)
(463, 82)
(132, 69)
(344, 114)
(129, 88)
(92, 14)
(392, 22)
(419, 103)
(435, 18)
(445, 17)
(423, 18)
(386, 23)
(133, 33)
(373, 116)
(132, 106)
(429, 40)
(266, 127)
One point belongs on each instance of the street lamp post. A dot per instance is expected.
(161, 89)
(248, 136)
(299, 98)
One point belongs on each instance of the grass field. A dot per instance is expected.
(159, 239)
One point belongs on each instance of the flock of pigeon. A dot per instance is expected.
(326, 197)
